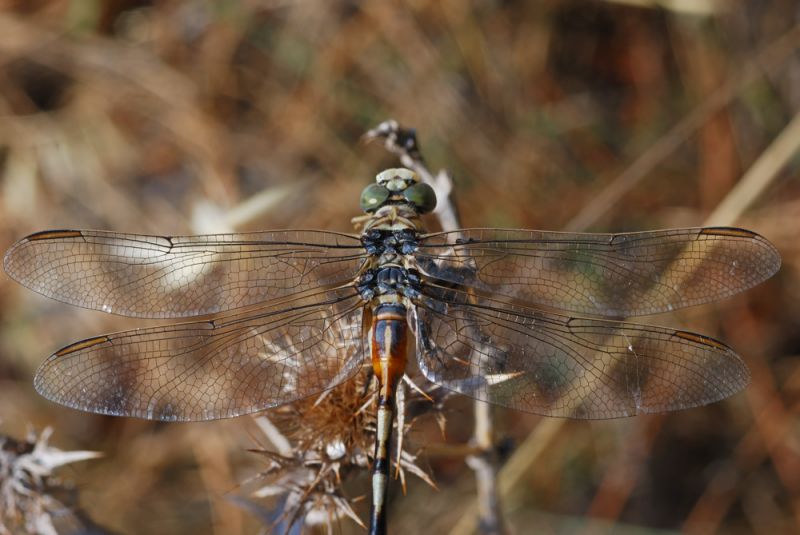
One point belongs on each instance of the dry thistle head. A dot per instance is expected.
(320, 444)
(27, 485)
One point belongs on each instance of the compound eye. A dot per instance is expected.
(422, 196)
(373, 197)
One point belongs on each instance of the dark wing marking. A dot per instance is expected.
(234, 364)
(163, 277)
(615, 275)
(556, 365)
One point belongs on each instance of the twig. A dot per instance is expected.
(403, 143)
(698, 8)
(29, 489)
(760, 174)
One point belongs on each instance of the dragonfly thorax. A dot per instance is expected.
(379, 242)
(388, 280)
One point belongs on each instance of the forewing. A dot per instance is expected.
(556, 365)
(235, 364)
(172, 277)
(615, 275)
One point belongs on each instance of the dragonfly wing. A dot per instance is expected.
(556, 365)
(615, 275)
(231, 365)
(172, 277)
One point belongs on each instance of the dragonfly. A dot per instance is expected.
(526, 319)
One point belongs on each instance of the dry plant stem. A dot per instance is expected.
(402, 142)
(694, 7)
(28, 487)
(768, 60)
(760, 174)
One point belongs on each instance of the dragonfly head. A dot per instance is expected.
(398, 186)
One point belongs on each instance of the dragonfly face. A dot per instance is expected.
(522, 318)
(398, 187)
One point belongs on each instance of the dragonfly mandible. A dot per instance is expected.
(525, 319)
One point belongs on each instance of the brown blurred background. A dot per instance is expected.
(177, 117)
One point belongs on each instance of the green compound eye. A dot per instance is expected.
(373, 197)
(422, 196)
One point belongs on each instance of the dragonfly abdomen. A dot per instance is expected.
(388, 347)
(389, 344)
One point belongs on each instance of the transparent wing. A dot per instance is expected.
(172, 277)
(615, 275)
(557, 365)
(234, 364)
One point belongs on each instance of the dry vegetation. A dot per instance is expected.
(178, 117)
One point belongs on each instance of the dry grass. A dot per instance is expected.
(185, 116)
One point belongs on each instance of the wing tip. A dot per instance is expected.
(9, 257)
(8, 260)
(773, 261)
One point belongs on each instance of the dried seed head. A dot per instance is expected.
(27, 484)
(320, 444)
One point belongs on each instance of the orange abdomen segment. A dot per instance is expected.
(389, 343)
